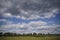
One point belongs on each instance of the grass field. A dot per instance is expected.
(30, 38)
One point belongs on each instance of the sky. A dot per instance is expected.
(29, 16)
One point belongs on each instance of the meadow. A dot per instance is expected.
(30, 38)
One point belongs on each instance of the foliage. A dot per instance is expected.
(29, 34)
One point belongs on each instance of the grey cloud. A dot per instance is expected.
(57, 29)
(31, 6)
(13, 11)
(34, 8)
(43, 5)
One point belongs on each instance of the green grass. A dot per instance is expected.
(30, 38)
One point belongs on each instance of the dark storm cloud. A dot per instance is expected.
(13, 11)
(32, 7)
(43, 5)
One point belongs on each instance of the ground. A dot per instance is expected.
(29, 38)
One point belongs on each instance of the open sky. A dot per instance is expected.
(28, 16)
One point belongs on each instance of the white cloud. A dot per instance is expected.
(10, 15)
(37, 14)
(37, 23)
(24, 12)
(7, 14)
(2, 20)
(6, 21)
(52, 13)
(33, 14)
(24, 25)
(34, 26)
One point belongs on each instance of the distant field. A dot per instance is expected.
(30, 38)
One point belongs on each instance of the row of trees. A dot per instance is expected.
(29, 34)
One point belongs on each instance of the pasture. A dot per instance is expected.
(30, 38)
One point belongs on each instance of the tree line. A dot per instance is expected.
(28, 34)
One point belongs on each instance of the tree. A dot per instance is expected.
(34, 34)
(1, 33)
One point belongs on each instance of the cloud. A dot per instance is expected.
(34, 26)
(6, 4)
(37, 14)
(5, 22)
(7, 14)
(30, 9)
(2, 20)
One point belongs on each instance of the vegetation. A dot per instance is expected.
(29, 36)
